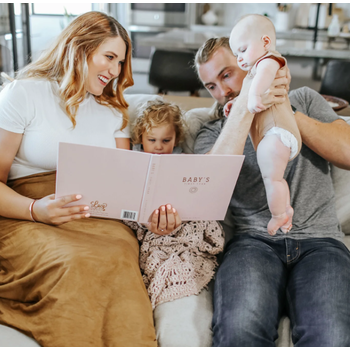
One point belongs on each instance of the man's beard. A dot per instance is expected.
(231, 97)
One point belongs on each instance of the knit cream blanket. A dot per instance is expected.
(181, 263)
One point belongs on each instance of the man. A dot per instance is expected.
(305, 273)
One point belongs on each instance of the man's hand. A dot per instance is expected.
(289, 78)
(278, 91)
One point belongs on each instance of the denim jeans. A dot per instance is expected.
(261, 279)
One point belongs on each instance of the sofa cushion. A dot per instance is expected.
(135, 101)
(195, 119)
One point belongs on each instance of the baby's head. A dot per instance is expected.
(251, 38)
(159, 127)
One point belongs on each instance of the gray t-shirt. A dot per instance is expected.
(308, 177)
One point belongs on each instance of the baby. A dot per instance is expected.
(176, 259)
(274, 132)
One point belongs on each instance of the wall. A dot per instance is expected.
(44, 29)
(229, 13)
(301, 68)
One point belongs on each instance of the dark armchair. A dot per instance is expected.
(173, 71)
(336, 81)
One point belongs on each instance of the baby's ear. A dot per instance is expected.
(267, 42)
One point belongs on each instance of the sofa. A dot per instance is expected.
(197, 113)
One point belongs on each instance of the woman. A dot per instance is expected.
(67, 279)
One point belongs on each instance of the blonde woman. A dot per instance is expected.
(67, 279)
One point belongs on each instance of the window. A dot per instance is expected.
(60, 9)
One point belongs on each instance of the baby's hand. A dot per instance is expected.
(255, 104)
(227, 108)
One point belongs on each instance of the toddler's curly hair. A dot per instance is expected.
(155, 113)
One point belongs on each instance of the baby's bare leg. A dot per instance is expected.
(273, 157)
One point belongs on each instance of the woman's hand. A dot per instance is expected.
(164, 220)
(49, 210)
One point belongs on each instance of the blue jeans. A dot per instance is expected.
(260, 279)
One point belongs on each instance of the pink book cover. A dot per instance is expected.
(123, 184)
(110, 180)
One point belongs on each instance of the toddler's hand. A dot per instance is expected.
(164, 220)
(255, 104)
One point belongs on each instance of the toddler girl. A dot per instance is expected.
(274, 132)
(176, 259)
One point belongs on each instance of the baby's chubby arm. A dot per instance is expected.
(265, 75)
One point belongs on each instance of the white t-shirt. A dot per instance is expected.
(33, 108)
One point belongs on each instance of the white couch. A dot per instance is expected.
(195, 118)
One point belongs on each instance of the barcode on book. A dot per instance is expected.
(129, 215)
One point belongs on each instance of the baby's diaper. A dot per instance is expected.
(287, 138)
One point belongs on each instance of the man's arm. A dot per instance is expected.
(329, 140)
(321, 128)
(234, 134)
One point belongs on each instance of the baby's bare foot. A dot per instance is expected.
(276, 222)
(288, 225)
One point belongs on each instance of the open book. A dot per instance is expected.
(130, 185)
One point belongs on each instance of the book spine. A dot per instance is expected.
(150, 188)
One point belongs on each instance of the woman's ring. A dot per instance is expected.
(161, 230)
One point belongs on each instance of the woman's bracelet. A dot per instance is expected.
(31, 209)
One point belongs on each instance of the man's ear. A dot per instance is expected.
(267, 42)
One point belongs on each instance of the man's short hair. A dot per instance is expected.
(206, 51)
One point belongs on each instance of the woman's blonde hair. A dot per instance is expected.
(66, 62)
(155, 113)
